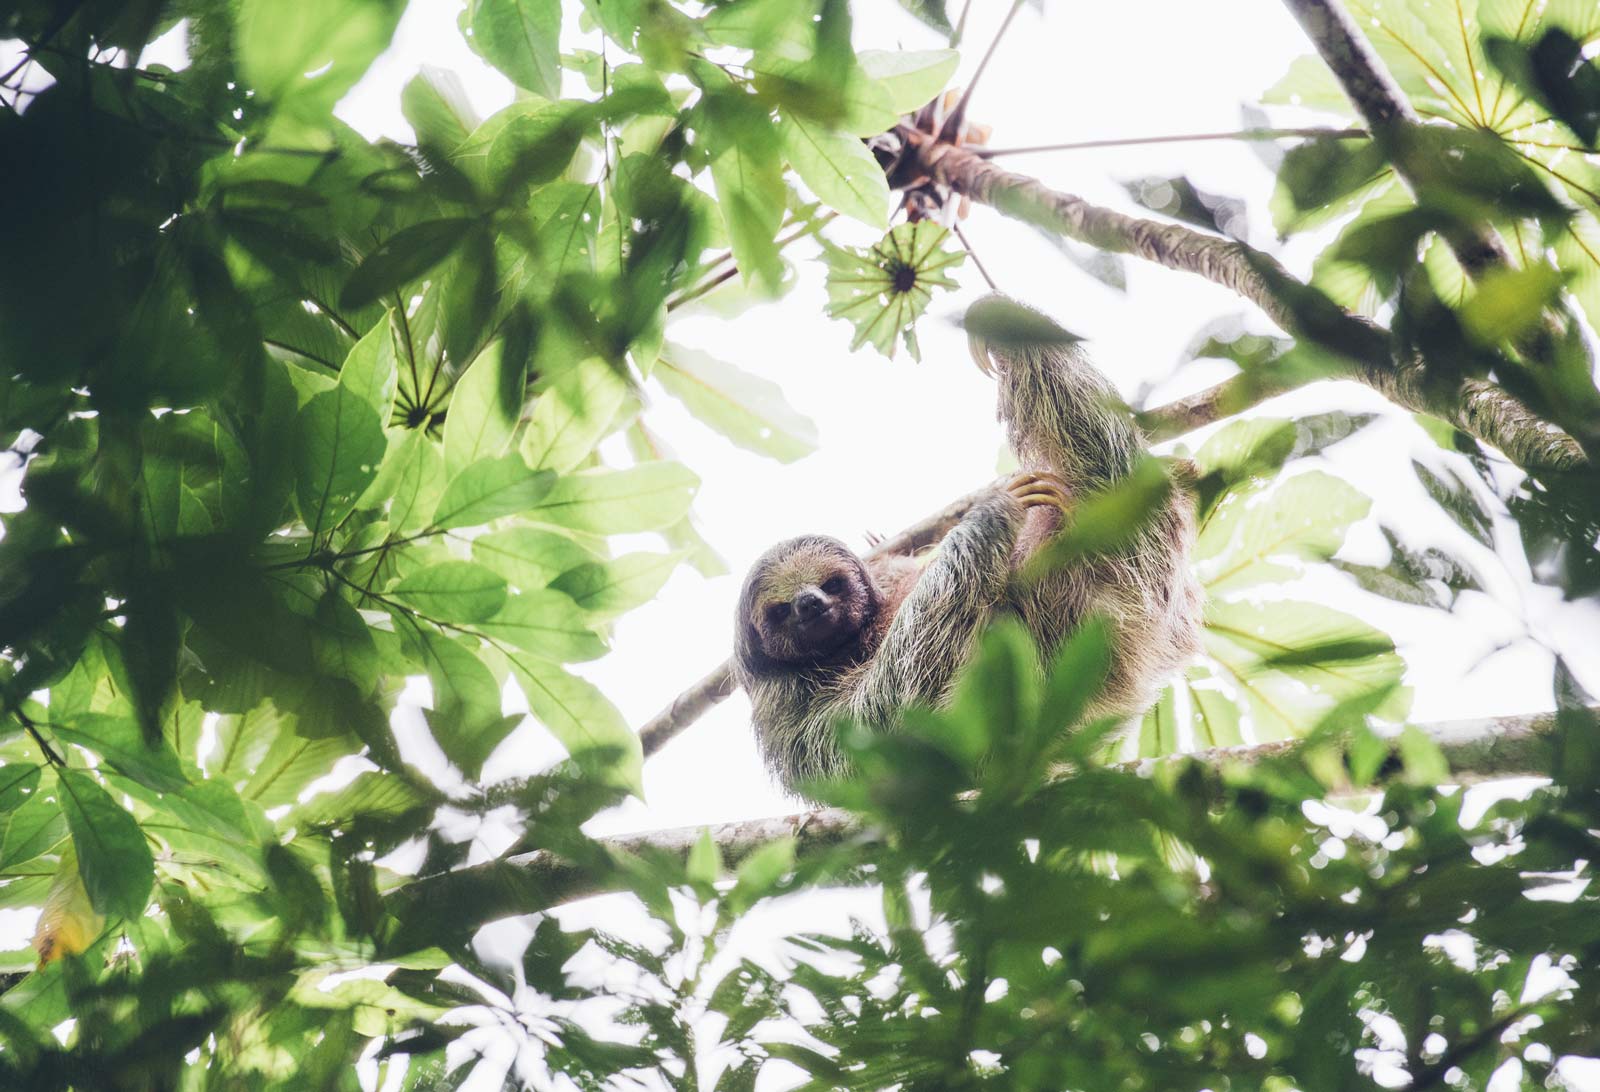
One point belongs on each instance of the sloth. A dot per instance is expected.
(821, 634)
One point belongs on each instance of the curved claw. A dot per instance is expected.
(1039, 489)
(980, 355)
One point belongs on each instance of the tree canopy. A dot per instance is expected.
(305, 418)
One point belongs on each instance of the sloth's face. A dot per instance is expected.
(811, 605)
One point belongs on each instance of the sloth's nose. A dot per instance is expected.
(809, 603)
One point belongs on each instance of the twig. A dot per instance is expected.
(1179, 138)
(528, 882)
(952, 122)
(973, 254)
(688, 295)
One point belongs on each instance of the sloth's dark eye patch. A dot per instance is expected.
(777, 613)
(834, 586)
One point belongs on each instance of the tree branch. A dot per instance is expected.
(1178, 138)
(1379, 100)
(1476, 750)
(1476, 407)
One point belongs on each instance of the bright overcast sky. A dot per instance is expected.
(900, 439)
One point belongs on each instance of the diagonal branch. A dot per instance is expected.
(1476, 407)
(1476, 750)
(1386, 110)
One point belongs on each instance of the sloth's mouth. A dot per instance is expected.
(827, 630)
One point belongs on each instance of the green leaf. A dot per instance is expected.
(32, 826)
(1510, 302)
(371, 372)
(521, 38)
(548, 624)
(883, 290)
(305, 54)
(402, 258)
(338, 447)
(341, 642)
(436, 105)
(839, 170)
(411, 480)
(747, 409)
(588, 726)
(291, 763)
(609, 588)
(1424, 763)
(1250, 537)
(913, 78)
(18, 783)
(467, 719)
(484, 407)
(781, 28)
(373, 794)
(748, 173)
(536, 148)
(704, 866)
(113, 856)
(572, 414)
(1289, 664)
(760, 872)
(931, 12)
(527, 557)
(453, 591)
(120, 743)
(489, 489)
(609, 502)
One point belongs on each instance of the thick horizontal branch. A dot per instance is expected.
(1476, 750)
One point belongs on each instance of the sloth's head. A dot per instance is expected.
(805, 602)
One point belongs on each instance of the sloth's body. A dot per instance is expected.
(822, 634)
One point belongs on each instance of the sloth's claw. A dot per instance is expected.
(980, 355)
(1039, 489)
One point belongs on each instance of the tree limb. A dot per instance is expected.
(1379, 100)
(1476, 407)
(1476, 750)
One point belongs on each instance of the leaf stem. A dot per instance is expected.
(1351, 133)
(689, 295)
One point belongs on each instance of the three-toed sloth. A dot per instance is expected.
(821, 634)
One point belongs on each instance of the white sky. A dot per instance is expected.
(900, 439)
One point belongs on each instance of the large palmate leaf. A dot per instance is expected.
(1464, 65)
(883, 290)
